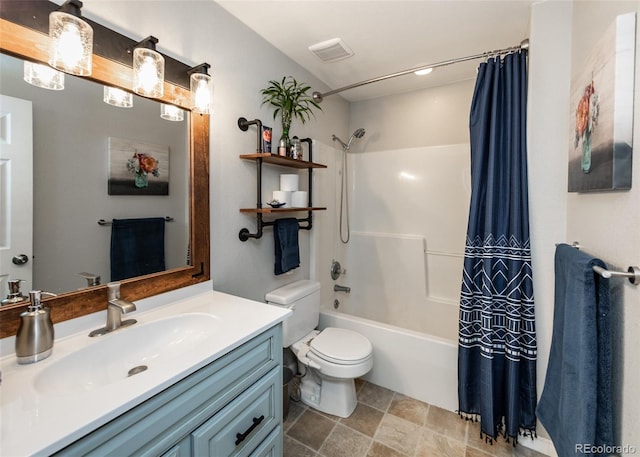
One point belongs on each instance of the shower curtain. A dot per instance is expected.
(497, 341)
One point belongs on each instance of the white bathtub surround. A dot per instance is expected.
(29, 405)
(396, 280)
(409, 210)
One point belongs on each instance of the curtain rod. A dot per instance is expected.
(524, 44)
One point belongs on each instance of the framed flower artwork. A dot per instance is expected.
(600, 139)
(137, 168)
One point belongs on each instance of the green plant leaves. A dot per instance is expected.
(290, 99)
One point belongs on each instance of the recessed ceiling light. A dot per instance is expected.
(424, 71)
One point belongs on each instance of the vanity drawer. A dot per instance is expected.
(243, 424)
(271, 446)
(160, 423)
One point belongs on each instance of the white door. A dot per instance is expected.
(16, 193)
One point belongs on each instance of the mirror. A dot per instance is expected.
(31, 45)
(72, 157)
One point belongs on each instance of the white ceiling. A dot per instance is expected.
(387, 36)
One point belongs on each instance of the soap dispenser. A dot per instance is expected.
(15, 295)
(34, 340)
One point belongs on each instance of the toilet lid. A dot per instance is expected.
(340, 345)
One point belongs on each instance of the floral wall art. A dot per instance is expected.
(600, 140)
(137, 168)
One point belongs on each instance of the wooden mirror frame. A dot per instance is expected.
(29, 44)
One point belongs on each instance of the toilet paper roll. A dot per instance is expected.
(283, 196)
(299, 199)
(289, 182)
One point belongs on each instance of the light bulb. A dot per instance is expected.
(201, 90)
(117, 97)
(43, 76)
(71, 42)
(148, 72)
(171, 113)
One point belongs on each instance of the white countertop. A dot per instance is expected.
(37, 422)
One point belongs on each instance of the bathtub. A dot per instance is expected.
(415, 364)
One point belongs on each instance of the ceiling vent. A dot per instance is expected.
(331, 50)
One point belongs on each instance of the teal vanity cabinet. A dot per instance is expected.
(231, 407)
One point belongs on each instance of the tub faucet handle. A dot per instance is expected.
(336, 269)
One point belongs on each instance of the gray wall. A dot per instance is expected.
(241, 64)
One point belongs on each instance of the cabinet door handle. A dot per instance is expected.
(241, 436)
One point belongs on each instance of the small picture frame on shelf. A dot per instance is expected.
(266, 139)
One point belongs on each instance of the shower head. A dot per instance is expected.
(359, 133)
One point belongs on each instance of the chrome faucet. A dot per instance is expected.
(116, 307)
(339, 288)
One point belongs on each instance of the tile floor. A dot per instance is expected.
(388, 424)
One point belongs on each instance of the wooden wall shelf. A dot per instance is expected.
(275, 159)
(279, 210)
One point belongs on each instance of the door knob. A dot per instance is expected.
(20, 259)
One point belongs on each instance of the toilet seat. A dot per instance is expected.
(341, 346)
(335, 343)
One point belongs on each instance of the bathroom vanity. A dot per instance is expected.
(201, 376)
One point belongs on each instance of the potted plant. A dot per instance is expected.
(291, 100)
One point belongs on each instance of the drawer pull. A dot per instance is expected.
(241, 436)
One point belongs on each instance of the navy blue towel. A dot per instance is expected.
(285, 235)
(137, 247)
(576, 403)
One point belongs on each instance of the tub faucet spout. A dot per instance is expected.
(339, 288)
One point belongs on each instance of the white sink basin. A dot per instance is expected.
(139, 348)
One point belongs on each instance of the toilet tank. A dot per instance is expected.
(303, 299)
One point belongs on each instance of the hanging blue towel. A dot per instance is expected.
(285, 233)
(576, 403)
(137, 247)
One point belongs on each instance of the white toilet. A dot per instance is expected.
(328, 360)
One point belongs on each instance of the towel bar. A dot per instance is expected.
(103, 222)
(632, 273)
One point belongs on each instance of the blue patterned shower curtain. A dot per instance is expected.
(497, 340)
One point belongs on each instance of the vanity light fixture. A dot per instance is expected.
(201, 88)
(117, 97)
(148, 69)
(71, 40)
(43, 76)
(171, 113)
